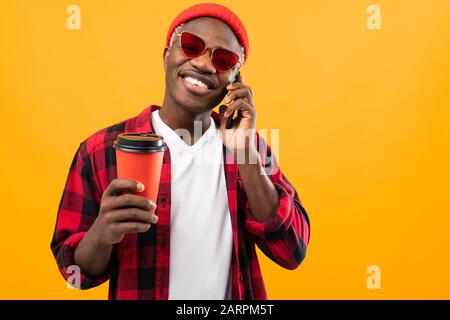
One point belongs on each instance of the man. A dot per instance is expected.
(198, 241)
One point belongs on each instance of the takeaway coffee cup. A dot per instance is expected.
(139, 156)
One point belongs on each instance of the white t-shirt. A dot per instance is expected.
(201, 237)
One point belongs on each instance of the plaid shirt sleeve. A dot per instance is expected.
(285, 236)
(78, 209)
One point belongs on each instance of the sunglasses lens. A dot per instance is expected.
(192, 45)
(224, 60)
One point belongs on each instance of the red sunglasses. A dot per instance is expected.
(193, 46)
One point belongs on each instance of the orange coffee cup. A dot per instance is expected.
(139, 156)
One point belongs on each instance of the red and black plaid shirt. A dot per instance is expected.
(139, 266)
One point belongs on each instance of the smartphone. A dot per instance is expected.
(230, 118)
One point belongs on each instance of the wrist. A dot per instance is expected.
(94, 238)
(247, 156)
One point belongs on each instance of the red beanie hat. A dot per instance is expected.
(216, 11)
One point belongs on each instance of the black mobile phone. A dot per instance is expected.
(230, 118)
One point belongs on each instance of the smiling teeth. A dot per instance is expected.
(196, 82)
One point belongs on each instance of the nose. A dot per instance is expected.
(204, 62)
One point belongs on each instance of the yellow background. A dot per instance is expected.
(363, 118)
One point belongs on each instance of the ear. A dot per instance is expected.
(166, 53)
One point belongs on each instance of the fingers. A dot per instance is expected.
(131, 215)
(243, 93)
(228, 101)
(127, 201)
(230, 108)
(239, 84)
(117, 186)
(132, 227)
(246, 109)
